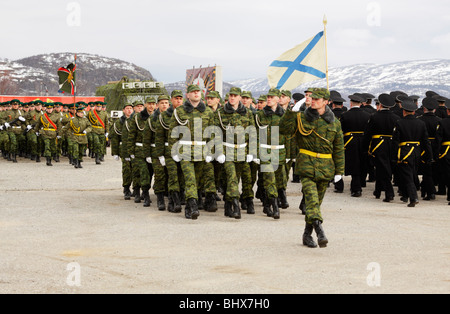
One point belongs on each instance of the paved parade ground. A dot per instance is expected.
(67, 230)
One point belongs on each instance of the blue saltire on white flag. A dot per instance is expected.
(303, 63)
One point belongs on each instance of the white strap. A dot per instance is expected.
(234, 145)
(271, 146)
(139, 144)
(192, 143)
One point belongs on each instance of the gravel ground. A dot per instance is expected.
(67, 230)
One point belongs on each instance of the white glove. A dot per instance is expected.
(21, 118)
(1, 127)
(257, 161)
(148, 160)
(288, 159)
(337, 178)
(221, 158)
(162, 160)
(29, 127)
(116, 157)
(37, 133)
(293, 160)
(249, 158)
(7, 125)
(127, 159)
(208, 158)
(84, 132)
(176, 158)
(299, 103)
(106, 134)
(58, 137)
(132, 156)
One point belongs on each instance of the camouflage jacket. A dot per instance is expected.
(316, 135)
(99, 121)
(49, 125)
(149, 137)
(231, 122)
(12, 116)
(268, 128)
(78, 127)
(162, 133)
(190, 123)
(135, 140)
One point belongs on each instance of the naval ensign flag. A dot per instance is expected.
(303, 63)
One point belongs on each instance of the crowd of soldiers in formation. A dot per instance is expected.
(389, 140)
(52, 129)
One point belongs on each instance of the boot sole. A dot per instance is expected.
(323, 243)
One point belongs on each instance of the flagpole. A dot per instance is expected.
(326, 52)
(74, 81)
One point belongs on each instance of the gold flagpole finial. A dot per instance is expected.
(325, 19)
(326, 52)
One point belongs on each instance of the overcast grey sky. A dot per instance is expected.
(243, 36)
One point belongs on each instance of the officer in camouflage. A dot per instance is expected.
(321, 157)
(99, 120)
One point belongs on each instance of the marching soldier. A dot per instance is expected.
(190, 121)
(429, 171)
(410, 137)
(321, 156)
(272, 155)
(78, 128)
(443, 140)
(117, 145)
(378, 144)
(353, 123)
(99, 121)
(4, 138)
(291, 149)
(49, 128)
(234, 120)
(135, 147)
(14, 122)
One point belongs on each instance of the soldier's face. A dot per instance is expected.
(272, 101)
(177, 101)
(234, 99)
(195, 96)
(150, 106)
(261, 104)
(246, 101)
(127, 111)
(49, 110)
(318, 103)
(308, 98)
(212, 101)
(284, 100)
(15, 106)
(163, 105)
(138, 108)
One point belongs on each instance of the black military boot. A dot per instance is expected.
(250, 205)
(75, 163)
(302, 206)
(307, 236)
(49, 161)
(97, 160)
(321, 238)
(236, 209)
(13, 157)
(200, 199)
(182, 197)
(160, 201)
(101, 158)
(243, 203)
(187, 211)
(210, 202)
(276, 210)
(193, 207)
(175, 196)
(79, 163)
(228, 209)
(137, 194)
(33, 157)
(146, 194)
(126, 192)
(38, 158)
(283, 198)
(70, 160)
(266, 206)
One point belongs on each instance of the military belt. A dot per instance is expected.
(313, 154)
(79, 134)
(16, 127)
(381, 136)
(271, 146)
(446, 150)
(153, 145)
(139, 144)
(47, 129)
(408, 143)
(351, 133)
(97, 127)
(195, 143)
(234, 145)
(413, 144)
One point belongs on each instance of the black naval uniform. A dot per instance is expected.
(443, 142)
(353, 123)
(378, 144)
(410, 138)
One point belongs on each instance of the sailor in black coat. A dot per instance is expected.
(377, 143)
(430, 172)
(353, 123)
(410, 138)
(443, 142)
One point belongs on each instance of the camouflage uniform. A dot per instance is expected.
(190, 150)
(135, 146)
(32, 118)
(99, 120)
(77, 129)
(236, 150)
(320, 158)
(14, 118)
(49, 128)
(4, 138)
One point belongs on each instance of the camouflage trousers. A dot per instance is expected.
(99, 143)
(49, 146)
(141, 172)
(192, 172)
(160, 171)
(32, 143)
(175, 180)
(234, 172)
(16, 141)
(313, 193)
(78, 150)
(273, 178)
(127, 177)
(4, 141)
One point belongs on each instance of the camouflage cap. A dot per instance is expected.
(309, 90)
(138, 103)
(176, 93)
(163, 97)
(15, 102)
(274, 92)
(193, 88)
(127, 104)
(320, 93)
(286, 93)
(262, 98)
(150, 100)
(213, 94)
(235, 91)
(246, 93)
